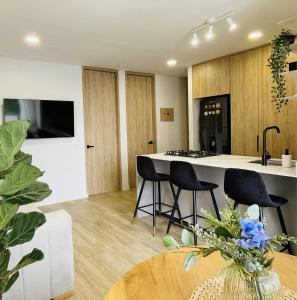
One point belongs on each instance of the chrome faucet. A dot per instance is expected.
(265, 154)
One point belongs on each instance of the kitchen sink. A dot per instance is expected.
(270, 162)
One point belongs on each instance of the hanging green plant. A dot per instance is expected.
(278, 64)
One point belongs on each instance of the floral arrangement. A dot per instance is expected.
(242, 241)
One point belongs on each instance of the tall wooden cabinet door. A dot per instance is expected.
(101, 131)
(292, 111)
(244, 103)
(140, 105)
(211, 78)
(268, 116)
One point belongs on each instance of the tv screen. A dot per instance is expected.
(49, 118)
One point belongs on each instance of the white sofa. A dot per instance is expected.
(54, 275)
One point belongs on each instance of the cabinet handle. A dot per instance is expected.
(150, 142)
(90, 146)
(257, 143)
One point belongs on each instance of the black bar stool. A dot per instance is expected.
(248, 188)
(147, 171)
(182, 174)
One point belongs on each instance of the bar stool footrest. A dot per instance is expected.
(199, 216)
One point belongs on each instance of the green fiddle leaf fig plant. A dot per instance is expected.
(18, 186)
(277, 62)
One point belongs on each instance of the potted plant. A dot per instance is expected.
(278, 64)
(18, 186)
(244, 244)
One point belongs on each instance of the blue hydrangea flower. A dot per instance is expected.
(253, 235)
(250, 227)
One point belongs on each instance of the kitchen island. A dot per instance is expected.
(279, 181)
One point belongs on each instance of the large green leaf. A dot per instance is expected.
(190, 260)
(7, 283)
(12, 136)
(169, 241)
(21, 177)
(20, 158)
(4, 261)
(187, 237)
(32, 257)
(7, 212)
(23, 158)
(35, 192)
(254, 212)
(23, 228)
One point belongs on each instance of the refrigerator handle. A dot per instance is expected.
(257, 143)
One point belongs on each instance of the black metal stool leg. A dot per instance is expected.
(173, 209)
(284, 229)
(261, 215)
(194, 215)
(178, 209)
(154, 208)
(138, 200)
(159, 194)
(215, 204)
(235, 205)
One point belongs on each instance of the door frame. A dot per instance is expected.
(119, 163)
(154, 103)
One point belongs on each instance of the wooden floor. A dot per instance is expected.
(106, 245)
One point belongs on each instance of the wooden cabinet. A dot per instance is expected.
(244, 103)
(248, 79)
(268, 116)
(211, 78)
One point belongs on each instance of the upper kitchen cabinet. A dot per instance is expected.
(268, 116)
(244, 103)
(211, 78)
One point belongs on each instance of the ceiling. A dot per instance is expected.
(134, 35)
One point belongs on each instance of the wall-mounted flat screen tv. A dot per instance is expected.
(49, 118)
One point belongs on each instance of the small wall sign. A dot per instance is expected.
(166, 114)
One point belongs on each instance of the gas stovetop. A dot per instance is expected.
(189, 153)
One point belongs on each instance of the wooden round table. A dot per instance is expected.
(163, 277)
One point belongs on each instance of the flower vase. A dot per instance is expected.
(265, 286)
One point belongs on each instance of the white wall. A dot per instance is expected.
(63, 159)
(171, 92)
(123, 129)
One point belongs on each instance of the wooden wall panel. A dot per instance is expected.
(101, 131)
(244, 103)
(268, 116)
(211, 78)
(292, 112)
(141, 122)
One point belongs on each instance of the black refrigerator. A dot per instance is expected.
(215, 127)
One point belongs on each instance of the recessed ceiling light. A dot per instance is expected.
(232, 25)
(171, 62)
(255, 35)
(209, 35)
(32, 39)
(195, 39)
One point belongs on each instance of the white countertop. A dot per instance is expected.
(230, 161)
